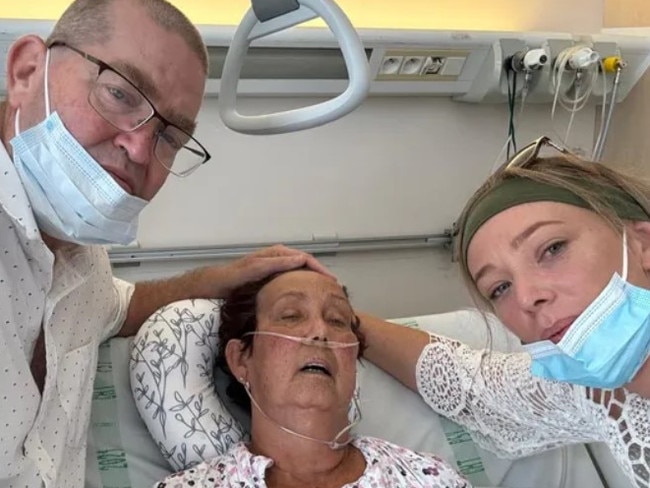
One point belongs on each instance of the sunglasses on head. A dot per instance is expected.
(531, 151)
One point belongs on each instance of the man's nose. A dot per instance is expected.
(139, 144)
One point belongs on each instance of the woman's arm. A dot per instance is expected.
(492, 393)
(506, 409)
(394, 348)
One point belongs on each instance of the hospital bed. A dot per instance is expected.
(122, 453)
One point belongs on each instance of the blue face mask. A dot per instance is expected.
(73, 198)
(607, 344)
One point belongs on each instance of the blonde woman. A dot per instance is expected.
(558, 249)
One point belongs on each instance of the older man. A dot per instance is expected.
(94, 121)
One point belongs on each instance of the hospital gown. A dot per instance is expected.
(512, 413)
(387, 465)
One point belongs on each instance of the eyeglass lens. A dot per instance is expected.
(123, 106)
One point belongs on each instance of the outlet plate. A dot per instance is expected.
(422, 65)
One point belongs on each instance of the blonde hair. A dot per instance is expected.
(567, 172)
(89, 22)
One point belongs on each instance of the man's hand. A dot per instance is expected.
(213, 281)
(256, 266)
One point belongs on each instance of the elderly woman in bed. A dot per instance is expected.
(291, 343)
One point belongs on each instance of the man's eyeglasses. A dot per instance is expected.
(125, 107)
(531, 151)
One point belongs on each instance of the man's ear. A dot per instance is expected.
(237, 359)
(642, 236)
(25, 65)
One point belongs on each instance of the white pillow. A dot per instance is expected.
(172, 380)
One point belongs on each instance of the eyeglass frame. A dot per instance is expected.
(103, 66)
(518, 160)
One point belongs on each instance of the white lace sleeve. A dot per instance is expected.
(513, 414)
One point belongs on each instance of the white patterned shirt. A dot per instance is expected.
(387, 466)
(72, 294)
(515, 414)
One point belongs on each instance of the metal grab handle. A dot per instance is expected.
(306, 117)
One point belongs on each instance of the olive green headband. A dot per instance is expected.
(515, 191)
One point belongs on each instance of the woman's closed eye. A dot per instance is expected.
(290, 316)
(338, 321)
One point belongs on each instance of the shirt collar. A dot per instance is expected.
(13, 198)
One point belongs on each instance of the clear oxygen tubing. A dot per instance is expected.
(314, 342)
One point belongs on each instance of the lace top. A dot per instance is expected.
(387, 465)
(512, 413)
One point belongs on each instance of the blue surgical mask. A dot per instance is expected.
(607, 344)
(73, 198)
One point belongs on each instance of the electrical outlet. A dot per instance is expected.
(390, 65)
(412, 65)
